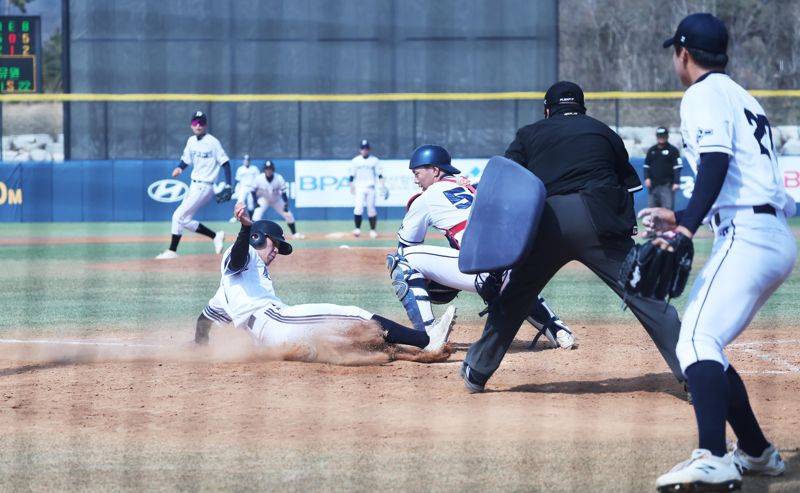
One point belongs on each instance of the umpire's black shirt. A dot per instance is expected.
(571, 152)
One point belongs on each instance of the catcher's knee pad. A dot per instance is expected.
(411, 289)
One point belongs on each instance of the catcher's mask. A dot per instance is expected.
(261, 230)
(432, 155)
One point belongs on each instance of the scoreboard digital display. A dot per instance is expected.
(20, 54)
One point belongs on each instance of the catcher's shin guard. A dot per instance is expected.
(411, 289)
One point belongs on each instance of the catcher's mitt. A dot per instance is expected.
(652, 272)
(223, 195)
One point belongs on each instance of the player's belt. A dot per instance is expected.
(757, 209)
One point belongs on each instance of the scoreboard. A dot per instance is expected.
(20, 54)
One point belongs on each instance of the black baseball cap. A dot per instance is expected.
(564, 92)
(364, 144)
(662, 131)
(702, 31)
(199, 117)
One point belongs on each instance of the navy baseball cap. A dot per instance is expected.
(702, 31)
(269, 164)
(564, 92)
(199, 118)
(364, 144)
(662, 131)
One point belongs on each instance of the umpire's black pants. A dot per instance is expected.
(566, 233)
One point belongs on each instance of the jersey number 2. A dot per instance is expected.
(460, 198)
(762, 127)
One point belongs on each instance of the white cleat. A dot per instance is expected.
(439, 331)
(702, 472)
(298, 236)
(769, 464)
(373, 234)
(563, 338)
(357, 232)
(166, 255)
(219, 240)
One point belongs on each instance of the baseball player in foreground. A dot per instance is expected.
(422, 274)
(246, 175)
(365, 171)
(739, 192)
(270, 189)
(246, 297)
(204, 152)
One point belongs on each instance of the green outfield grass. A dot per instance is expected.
(51, 288)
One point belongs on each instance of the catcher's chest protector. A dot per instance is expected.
(504, 218)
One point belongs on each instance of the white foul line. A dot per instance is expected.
(57, 342)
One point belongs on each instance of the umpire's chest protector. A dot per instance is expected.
(504, 218)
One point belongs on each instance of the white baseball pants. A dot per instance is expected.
(278, 205)
(304, 324)
(365, 196)
(752, 255)
(197, 196)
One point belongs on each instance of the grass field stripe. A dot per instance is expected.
(357, 98)
(57, 342)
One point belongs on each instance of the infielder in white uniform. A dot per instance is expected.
(365, 172)
(246, 297)
(246, 175)
(739, 192)
(204, 152)
(422, 274)
(271, 190)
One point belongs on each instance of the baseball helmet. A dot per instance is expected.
(269, 164)
(432, 155)
(261, 230)
(199, 118)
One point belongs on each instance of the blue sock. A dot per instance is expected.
(741, 417)
(710, 398)
(394, 333)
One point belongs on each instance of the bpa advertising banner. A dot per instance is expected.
(326, 183)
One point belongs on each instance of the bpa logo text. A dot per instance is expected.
(323, 183)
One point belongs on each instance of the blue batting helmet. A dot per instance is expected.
(432, 155)
(261, 230)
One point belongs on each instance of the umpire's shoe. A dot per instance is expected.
(472, 382)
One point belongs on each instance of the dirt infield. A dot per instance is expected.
(152, 413)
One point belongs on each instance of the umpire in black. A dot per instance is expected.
(662, 171)
(588, 216)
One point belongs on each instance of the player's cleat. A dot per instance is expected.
(472, 387)
(357, 232)
(219, 238)
(373, 234)
(562, 337)
(439, 330)
(702, 472)
(298, 236)
(769, 463)
(166, 255)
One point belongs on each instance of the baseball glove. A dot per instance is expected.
(652, 272)
(384, 193)
(223, 195)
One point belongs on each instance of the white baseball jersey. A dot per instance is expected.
(718, 115)
(754, 249)
(270, 190)
(445, 205)
(246, 175)
(248, 290)
(206, 155)
(365, 171)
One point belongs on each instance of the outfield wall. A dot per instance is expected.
(144, 190)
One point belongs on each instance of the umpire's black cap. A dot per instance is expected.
(564, 92)
(261, 230)
(702, 31)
